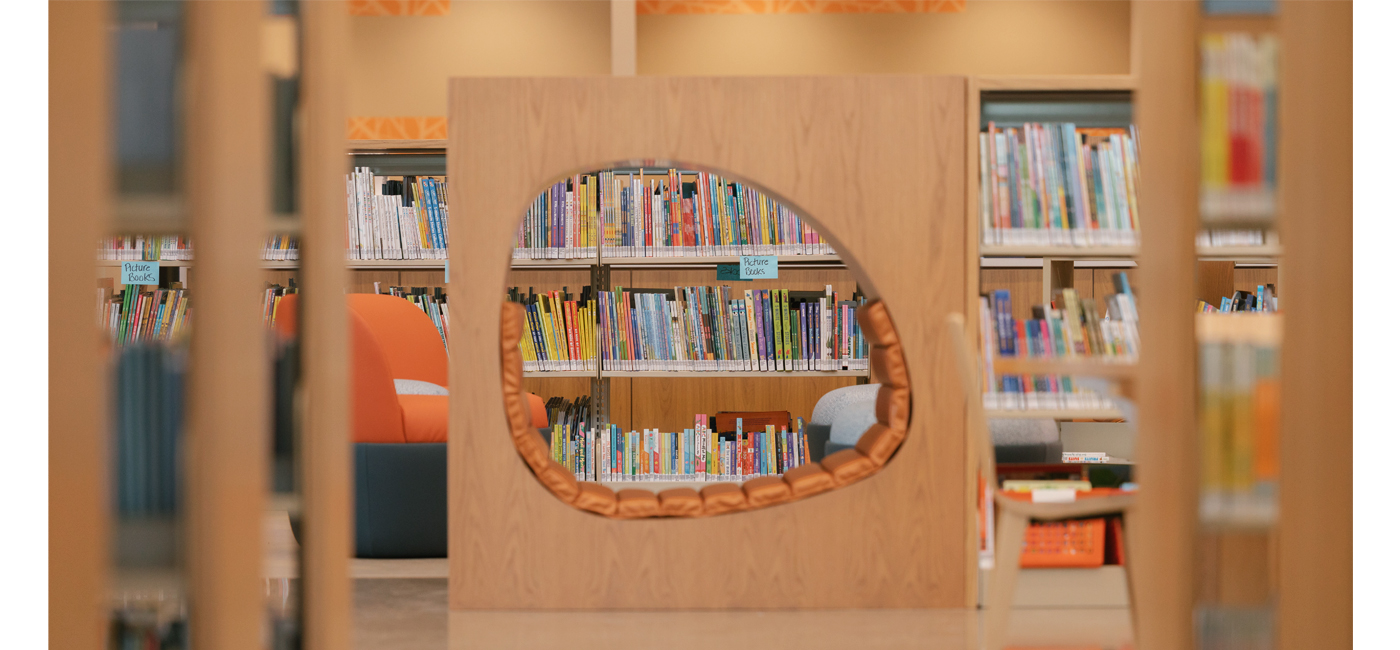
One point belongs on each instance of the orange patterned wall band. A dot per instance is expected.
(400, 7)
(431, 127)
(651, 7)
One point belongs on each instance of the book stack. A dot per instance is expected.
(567, 413)
(395, 218)
(560, 330)
(282, 248)
(1244, 237)
(1067, 329)
(670, 213)
(562, 223)
(131, 316)
(148, 418)
(272, 298)
(136, 248)
(149, 620)
(434, 305)
(722, 329)
(1239, 126)
(1052, 184)
(1239, 416)
(609, 454)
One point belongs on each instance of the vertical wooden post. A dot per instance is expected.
(79, 212)
(325, 453)
(1315, 519)
(1059, 274)
(624, 38)
(1164, 37)
(228, 442)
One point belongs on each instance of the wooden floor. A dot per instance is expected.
(402, 604)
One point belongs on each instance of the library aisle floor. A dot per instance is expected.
(402, 605)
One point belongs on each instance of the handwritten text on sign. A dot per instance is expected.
(140, 273)
(758, 267)
(728, 272)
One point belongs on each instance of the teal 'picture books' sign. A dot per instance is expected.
(140, 272)
(758, 267)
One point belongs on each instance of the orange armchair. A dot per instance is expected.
(391, 339)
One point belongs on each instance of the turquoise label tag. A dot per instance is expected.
(140, 272)
(728, 273)
(758, 267)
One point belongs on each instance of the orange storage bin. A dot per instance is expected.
(1074, 543)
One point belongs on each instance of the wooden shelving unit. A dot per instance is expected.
(1055, 414)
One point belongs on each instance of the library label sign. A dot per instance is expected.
(140, 272)
(758, 267)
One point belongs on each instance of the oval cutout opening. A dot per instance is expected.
(644, 294)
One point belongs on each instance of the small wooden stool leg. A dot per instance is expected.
(1128, 574)
(1011, 535)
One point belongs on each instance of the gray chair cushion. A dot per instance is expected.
(1022, 432)
(836, 401)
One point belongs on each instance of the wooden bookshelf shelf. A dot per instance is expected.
(832, 260)
(1055, 414)
(1082, 367)
(1074, 82)
(1062, 252)
(424, 146)
(1268, 252)
(659, 486)
(544, 374)
(637, 374)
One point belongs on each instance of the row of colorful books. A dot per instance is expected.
(610, 454)
(1244, 237)
(136, 248)
(1053, 184)
(1239, 126)
(147, 425)
(149, 621)
(1239, 397)
(1266, 300)
(272, 299)
(1067, 328)
(395, 218)
(129, 316)
(691, 329)
(660, 213)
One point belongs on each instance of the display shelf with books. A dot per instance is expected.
(1239, 127)
(1055, 414)
(1035, 364)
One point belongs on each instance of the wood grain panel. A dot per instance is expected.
(1162, 544)
(227, 440)
(876, 164)
(1214, 280)
(1249, 278)
(1024, 285)
(327, 518)
(80, 186)
(363, 281)
(1315, 492)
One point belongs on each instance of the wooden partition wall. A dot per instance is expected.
(875, 163)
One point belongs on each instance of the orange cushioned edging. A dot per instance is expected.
(533, 449)
(512, 372)
(595, 497)
(635, 504)
(887, 366)
(875, 323)
(766, 490)
(374, 401)
(809, 479)
(848, 466)
(723, 497)
(558, 480)
(512, 325)
(681, 502)
(892, 407)
(424, 418)
(879, 443)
